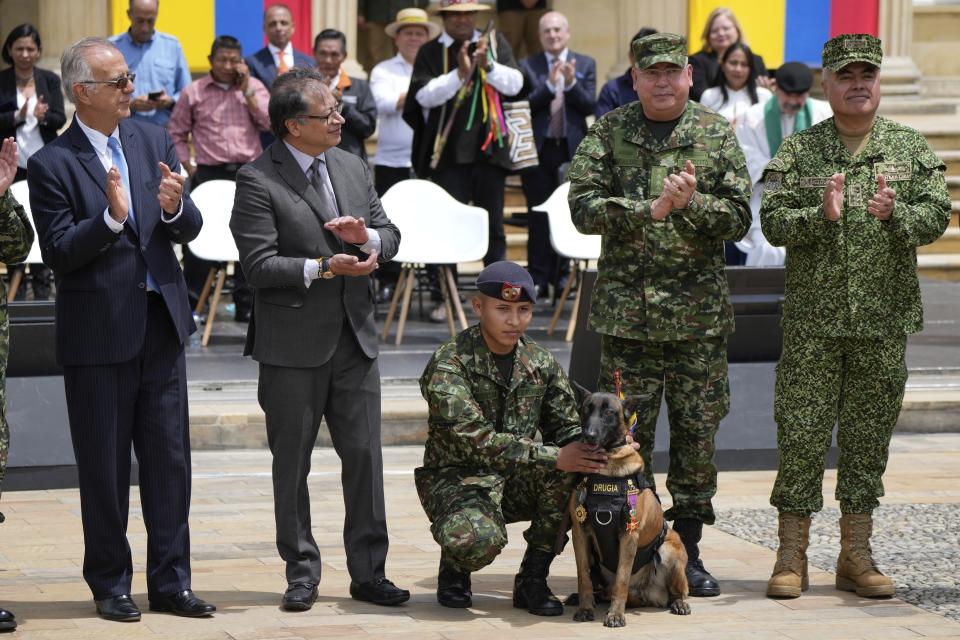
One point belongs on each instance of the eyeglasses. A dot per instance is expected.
(120, 83)
(654, 75)
(336, 110)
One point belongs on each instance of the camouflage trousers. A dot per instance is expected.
(4, 425)
(469, 509)
(854, 383)
(692, 376)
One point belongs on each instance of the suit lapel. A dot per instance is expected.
(138, 176)
(296, 179)
(87, 156)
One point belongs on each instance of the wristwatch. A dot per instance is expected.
(325, 271)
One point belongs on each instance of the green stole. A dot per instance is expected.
(771, 121)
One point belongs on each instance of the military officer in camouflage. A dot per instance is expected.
(665, 182)
(490, 390)
(16, 236)
(850, 198)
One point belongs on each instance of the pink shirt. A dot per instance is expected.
(223, 129)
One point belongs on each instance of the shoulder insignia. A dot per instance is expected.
(776, 165)
(772, 181)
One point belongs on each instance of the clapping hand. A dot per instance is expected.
(343, 264)
(117, 195)
(8, 163)
(171, 189)
(833, 197)
(349, 229)
(681, 186)
(882, 203)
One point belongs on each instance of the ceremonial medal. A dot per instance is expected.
(580, 514)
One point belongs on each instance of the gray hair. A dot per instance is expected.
(74, 66)
(290, 96)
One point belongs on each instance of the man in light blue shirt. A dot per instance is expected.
(158, 61)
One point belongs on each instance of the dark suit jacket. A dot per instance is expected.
(360, 115)
(579, 101)
(101, 310)
(277, 223)
(48, 86)
(615, 93)
(263, 67)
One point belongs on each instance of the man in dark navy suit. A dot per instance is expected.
(278, 56)
(562, 93)
(107, 202)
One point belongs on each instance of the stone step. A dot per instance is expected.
(949, 242)
(939, 266)
(893, 106)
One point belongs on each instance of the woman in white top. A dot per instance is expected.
(735, 88)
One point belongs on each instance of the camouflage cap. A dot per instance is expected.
(848, 48)
(660, 47)
(508, 281)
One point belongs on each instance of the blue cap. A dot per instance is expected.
(508, 281)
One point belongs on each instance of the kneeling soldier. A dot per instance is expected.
(490, 390)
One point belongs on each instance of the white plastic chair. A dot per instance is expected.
(21, 192)
(214, 199)
(571, 244)
(435, 229)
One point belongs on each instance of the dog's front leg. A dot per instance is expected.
(581, 550)
(621, 585)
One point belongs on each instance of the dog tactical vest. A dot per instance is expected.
(606, 505)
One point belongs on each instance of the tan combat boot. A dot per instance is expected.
(856, 570)
(790, 573)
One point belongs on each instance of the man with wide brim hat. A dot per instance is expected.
(664, 181)
(851, 199)
(457, 141)
(490, 391)
(374, 44)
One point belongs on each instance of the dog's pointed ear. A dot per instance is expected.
(633, 403)
(580, 392)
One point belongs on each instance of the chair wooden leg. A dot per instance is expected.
(205, 292)
(15, 279)
(405, 308)
(213, 307)
(452, 286)
(445, 293)
(573, 314)
(563, 298)
(401, 285)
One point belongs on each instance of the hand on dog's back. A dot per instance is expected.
(580, 457)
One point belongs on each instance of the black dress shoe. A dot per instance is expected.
(379, 591)
(184, 603)
(118, 608)
(299, 596)
(7, 620)
(241, 315)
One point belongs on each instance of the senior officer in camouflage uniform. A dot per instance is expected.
(850, 198)
(489, 391)
(665, 182)
(16, 236)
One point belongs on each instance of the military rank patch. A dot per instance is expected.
(510, 292)
(894, 171)
(772, 181)
(854, 195)
(657, 175)
(857, 44)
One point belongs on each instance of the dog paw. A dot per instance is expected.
(583, 615)
(680, 607)
(614, 620)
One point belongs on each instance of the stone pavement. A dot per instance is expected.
(235, 565)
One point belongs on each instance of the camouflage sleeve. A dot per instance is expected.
(594, 206)
(784, 221)
(924, 216)
(16, 233)
(721, 210)
(458, 425)
(559, 422)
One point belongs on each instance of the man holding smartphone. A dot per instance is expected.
(223, 115)
(156, 59)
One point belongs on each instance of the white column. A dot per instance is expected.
(340, 15)
(900, 74)
(663, 15)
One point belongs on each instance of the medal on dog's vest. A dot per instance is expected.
(580, 513)
(633, 418)
(632, 493)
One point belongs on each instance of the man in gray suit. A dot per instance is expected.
(310, 231)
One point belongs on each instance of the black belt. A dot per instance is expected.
(231, 167)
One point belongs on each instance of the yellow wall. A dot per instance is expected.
(190, 20)
(763, 23)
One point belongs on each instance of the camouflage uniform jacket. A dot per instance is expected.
(660, 280)
(857, 276)
(16, 236)
(482, 424)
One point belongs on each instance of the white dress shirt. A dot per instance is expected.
(735, 108)
(388, 81)
(99, 143)
(506, 80)
(28, 134)
(311, 269)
